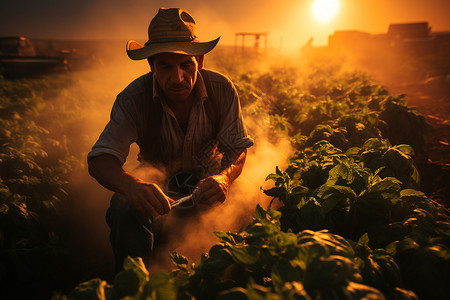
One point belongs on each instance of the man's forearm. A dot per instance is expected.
(108, 171)
(146, 197)
(214, 189)
(234, 165)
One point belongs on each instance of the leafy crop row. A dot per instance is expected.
(347, 219)
(367, 193)
(356, 235)
(348, 106)
(34, 163)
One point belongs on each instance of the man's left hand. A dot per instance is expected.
(212, 191)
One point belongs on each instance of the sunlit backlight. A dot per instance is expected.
(325, 10)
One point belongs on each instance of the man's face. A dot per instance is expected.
(176, 74)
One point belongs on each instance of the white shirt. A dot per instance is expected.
(196, 150)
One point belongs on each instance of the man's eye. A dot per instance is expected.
(186, 65)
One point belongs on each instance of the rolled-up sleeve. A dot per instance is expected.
(232, 134)
(119, 133)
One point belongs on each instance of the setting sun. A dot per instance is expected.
(325, 10)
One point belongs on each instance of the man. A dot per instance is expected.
(183, 118)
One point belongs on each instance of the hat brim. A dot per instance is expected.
(137, 51)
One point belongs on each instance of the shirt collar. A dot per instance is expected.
(200, 87)
(157, 92)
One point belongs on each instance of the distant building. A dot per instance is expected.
(402, 44)
(413, 37)
(356, 40)
(256, 49)
(409, 30)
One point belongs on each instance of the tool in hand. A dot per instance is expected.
(181, 200)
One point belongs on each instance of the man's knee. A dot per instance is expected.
(119, 209)
(122, 213)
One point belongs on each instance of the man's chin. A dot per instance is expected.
(178, 95)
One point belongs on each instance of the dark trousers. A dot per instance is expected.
(131, 232)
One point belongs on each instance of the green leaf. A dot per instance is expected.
(328, 272)
(412, 193)
(294, 290)
(257, 230)
(398, 247)
(332, 195)
(372, 207)
(161, 286)
(225, 236)
(330, 243)
(283, 244)
(312, 215)
(219, 259)
(388, 188)
(377, 173)
(278, 192)
(300, 190)
(273, 214)
(236, 293)
(126, 283)
(309, 253)
(137, 266)
(389, 268)
(376, 144)
(179, 260)
(372, 119)
(258, 292)
(353, 152)
(340, 173)
(405, 149)
(278, 171)
(364, 240)
(94, 289)
(402, 167)
(246, 255)
(361, 291)
(134, 275)
(283, 272)
(415, 176)
(273, 177)
(260, 213)
(439, 250)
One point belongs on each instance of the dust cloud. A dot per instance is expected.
(193, 235)
(78, 114)
(101, 70)
(87, 232)
(87, 102)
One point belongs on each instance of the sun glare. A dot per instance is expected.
(325, 10)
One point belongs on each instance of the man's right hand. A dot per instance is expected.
(147, 198)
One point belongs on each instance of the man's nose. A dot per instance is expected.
(179, 75)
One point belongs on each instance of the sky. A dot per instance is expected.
(290, 23)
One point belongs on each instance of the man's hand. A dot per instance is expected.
(147, 198)
(212, 190)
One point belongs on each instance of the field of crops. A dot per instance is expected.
(346, 217)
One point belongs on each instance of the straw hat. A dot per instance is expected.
(172, 30)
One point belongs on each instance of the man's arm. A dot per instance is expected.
(214, 189)
(146, 197)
